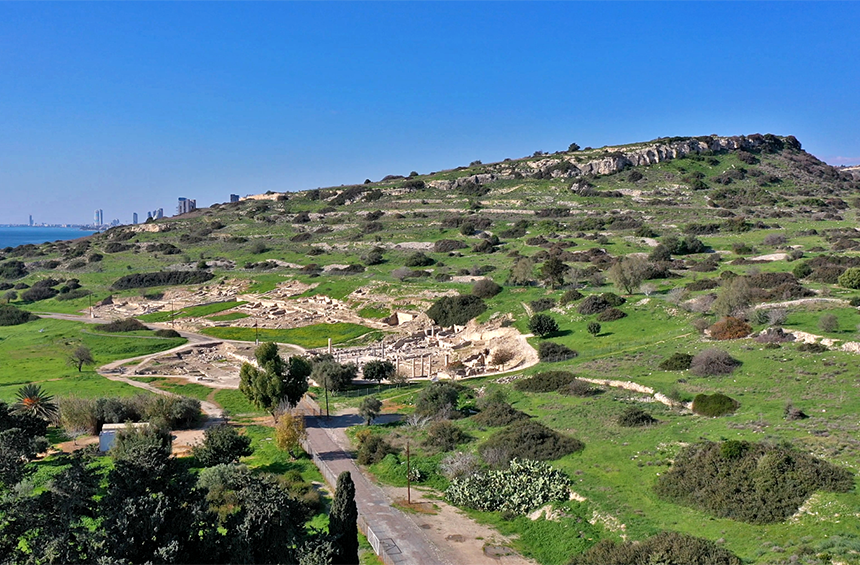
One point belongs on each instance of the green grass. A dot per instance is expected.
(191, 312)
(236, 404)
(194, 390)
(372, 312)
(229, 317)
(308, 336)
(37, 352)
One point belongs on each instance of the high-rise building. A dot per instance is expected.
(99, 217)
(186, 205)
(159, 213)
(134, 218)
(234, 198)
(31, 220)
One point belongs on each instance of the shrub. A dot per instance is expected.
(373, 450)
(774, 335)
(828, 323)
(72, 294)
(613, 299)
(434, 398)
(456, 310)
(593, 304)
(444, 435)
(162, 278)
(634, 417)
(593, 328)
(712, 362)
(222, 444)
(448, 245)
(569, 296)
(792, 413)
(79, 415)
(528, 439)
(814, 347)
(665, 547)
(547, 381)
(486, 288)
(542, 304)
(714, 405)
(126, 325)
(610, 315)
(730, 328)
(459, 465)
(542, 325)
(677, 362)
(579, 387)
(522, 487)
(552, 352)
(11, 316)
(38, 292)
(167, 333)
(751, 482)
(850, 278)
(13, 270)
(496, 414)
(419, 259)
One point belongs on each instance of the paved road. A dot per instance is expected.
(401, 539)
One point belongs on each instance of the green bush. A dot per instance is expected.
(528, 439)
(448, 245)
(850, 278)
(634, 417)
(444, 435)
(593, 304)
(434, 398)
(579, 387)
(162, 278)
(126, 325)
(665, 547)
(486, 288)
(519, 489)
(542, 325)
(677, 362)
(456, 310)
(548, 381)
(613, 299)
(552, 352)
(11, 316)
(167, 333)
(373, 450)
(496, 414)
(714, 405)
(814, 347)
(419, 259)
(542, 304)
(610, 315)
(569, 296)
(713, 362)
(752, 482)
(222, 444)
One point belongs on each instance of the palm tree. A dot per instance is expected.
(36, 402)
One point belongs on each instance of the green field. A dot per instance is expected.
(308, 336)
(191, 312)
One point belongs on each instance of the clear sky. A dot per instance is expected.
(126, 106)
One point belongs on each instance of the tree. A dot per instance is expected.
(378, 370)
(36, 402)
(552, 271)
(521, 272)
(735, 297)
(456, 310)
(222, 444)
(593, 328)
(628, 273)
(369, 409)
(81, 356)
(343, 521)
(573, 147)
(850, 278)
(486, 288)
(331, 375)
(542, 325)
(290, 432)
(828, 323)
(275, 380)
(501, 357)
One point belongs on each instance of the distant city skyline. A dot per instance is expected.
(126, 106)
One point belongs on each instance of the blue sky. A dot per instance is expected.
(126, 106)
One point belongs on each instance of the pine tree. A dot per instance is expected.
(343, 521)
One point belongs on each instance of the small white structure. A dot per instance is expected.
(109, 431)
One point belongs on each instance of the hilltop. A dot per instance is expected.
(669, 246)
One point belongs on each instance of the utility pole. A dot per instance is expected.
(408, 473)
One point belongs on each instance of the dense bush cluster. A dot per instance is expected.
(528, 439)
(11, 316)
(634, 417)
(90, 414)
(714, 405)
(373, 450)
(444, 435)
(730, 328)
(548, 381)
(542, 325)
(713, 362)
(677, 362)
(161, 278)
(552, 352)
(579, 387)
(496, 414)
(435, 398)
(448, 245)
(486, 288)
(593, 304)
(542, 304)
(456, 310)
(751, 482)
(519, 489)
(610, 315)
(124, 325)
(665, 547)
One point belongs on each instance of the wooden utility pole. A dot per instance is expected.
(408, 473)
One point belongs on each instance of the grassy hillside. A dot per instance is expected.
(765, 212)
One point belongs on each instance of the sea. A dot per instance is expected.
(19, 235)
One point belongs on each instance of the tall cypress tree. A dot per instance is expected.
(343, 521)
